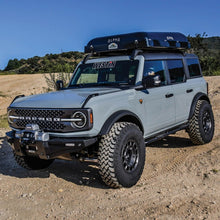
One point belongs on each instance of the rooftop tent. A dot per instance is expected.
(138, 40)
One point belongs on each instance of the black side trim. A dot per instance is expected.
(165, 133)
(88, 98)
(122, 115)
(198, 96)
(16, 97)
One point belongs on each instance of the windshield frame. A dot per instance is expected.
(106, 59)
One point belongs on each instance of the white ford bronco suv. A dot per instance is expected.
(130, 90)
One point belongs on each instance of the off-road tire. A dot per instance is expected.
(32, 163)
(201, 125)
(121, 155)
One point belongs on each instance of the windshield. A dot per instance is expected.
(105, 73)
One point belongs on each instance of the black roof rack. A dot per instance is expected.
(139, 40)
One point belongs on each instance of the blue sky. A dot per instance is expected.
(38, 27)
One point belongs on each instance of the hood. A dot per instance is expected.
(69, 98)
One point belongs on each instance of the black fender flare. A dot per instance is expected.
(122, 115)
(198, 96)
(16, 97)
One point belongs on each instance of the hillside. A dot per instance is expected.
(63, 62)
(213, 43)
(67, 61)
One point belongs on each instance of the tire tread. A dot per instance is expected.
(31, 163)
(194, 127)
(106, 154)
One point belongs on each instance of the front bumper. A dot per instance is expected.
(26, 143)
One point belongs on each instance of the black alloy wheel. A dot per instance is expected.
(130, 155)
(206, 122)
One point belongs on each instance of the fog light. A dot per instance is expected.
(41, 136)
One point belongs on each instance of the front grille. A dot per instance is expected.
(43, 117)
(44, 125)
(52, 113)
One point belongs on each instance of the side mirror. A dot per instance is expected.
(59, 84)
(151, 81)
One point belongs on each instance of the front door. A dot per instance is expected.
(159, 101)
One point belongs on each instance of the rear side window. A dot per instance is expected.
(155, 67)
(176, 71)
(193, 65)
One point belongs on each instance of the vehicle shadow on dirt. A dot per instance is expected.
(80, 173)
(172, 142)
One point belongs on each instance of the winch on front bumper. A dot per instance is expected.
(34, 142)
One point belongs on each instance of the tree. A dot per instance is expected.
(198, 46)
(210, 64)
(12, 64)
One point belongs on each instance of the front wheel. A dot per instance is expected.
(32, 163)
(121, 155)
(201, 125)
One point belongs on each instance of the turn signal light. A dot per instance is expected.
(91, 118)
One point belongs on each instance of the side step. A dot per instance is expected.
(166, 133)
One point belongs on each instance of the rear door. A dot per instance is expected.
(183, 93)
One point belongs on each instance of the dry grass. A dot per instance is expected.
(3, 121)
(2, 94)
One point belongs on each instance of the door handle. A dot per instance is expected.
(169, 95)
(189, 90)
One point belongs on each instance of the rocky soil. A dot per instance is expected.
(180, 181)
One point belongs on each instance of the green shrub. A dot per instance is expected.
(3, 121)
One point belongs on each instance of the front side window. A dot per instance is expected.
(153, 68)
(193, 65)
(176, 71)
(106, 73)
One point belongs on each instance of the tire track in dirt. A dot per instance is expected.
(137, 197)
(176, 162)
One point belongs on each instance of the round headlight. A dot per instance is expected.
(79, 119)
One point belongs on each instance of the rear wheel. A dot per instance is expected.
(122, 155)
(32, 163)
(201, 125)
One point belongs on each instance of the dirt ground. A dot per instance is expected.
(13, 85)
(180, 181)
